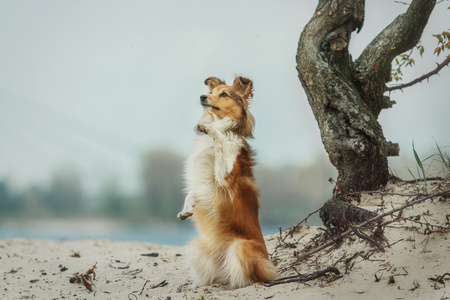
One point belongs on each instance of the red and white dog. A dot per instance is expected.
(223, 197)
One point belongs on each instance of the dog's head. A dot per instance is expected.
(230, 102)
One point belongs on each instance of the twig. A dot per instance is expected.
(390, 245)
(349, 231)
(161, 284)
(147, 281)
(349, 267)
(366, 237)
(131, 294)
(439, 279)
(121, 268)
(421, 78)
(302, 278)
(291, 231)
(369, 253)
(399, 219)
(383, 193)
(428, 179)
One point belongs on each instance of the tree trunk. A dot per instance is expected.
(346, 97)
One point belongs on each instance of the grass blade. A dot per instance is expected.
(444, 161)
(419, 164)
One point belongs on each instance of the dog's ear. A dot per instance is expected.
(212, 82)
(244, 86)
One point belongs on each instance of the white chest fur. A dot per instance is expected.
(211, 159)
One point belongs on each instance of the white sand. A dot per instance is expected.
(32, 269)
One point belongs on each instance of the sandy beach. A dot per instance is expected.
(411, 263)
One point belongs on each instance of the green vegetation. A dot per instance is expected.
(443, 160)
(420, 169)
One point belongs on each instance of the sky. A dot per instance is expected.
(96, 84)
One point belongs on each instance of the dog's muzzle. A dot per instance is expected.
(204, 100)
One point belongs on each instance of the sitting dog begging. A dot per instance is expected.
(223, 197)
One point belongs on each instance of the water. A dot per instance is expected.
(72, 230)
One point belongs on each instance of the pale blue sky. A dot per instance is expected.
(97, 83)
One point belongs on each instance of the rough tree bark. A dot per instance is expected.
(347, 96)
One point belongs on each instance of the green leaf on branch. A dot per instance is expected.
(421, 50)
(437, 50)
(439, 37)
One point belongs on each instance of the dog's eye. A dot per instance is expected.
(223, 95)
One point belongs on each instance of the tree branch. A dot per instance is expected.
(374, 64)
(421, 78)
(399, 36)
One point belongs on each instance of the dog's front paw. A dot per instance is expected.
(203, 128)
(184, 215)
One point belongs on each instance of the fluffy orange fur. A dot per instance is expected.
(231, 249)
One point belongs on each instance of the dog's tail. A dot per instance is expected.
(246, 261)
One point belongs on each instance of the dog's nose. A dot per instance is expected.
(203, 98)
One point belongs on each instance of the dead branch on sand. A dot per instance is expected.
(290, 232)
(419, 198)
(355, 231)
(85, 278)
(304, 278)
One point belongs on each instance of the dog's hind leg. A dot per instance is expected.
(236, 268)
(246, 262)
(204, 264)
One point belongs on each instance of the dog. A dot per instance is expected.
(222, 195)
